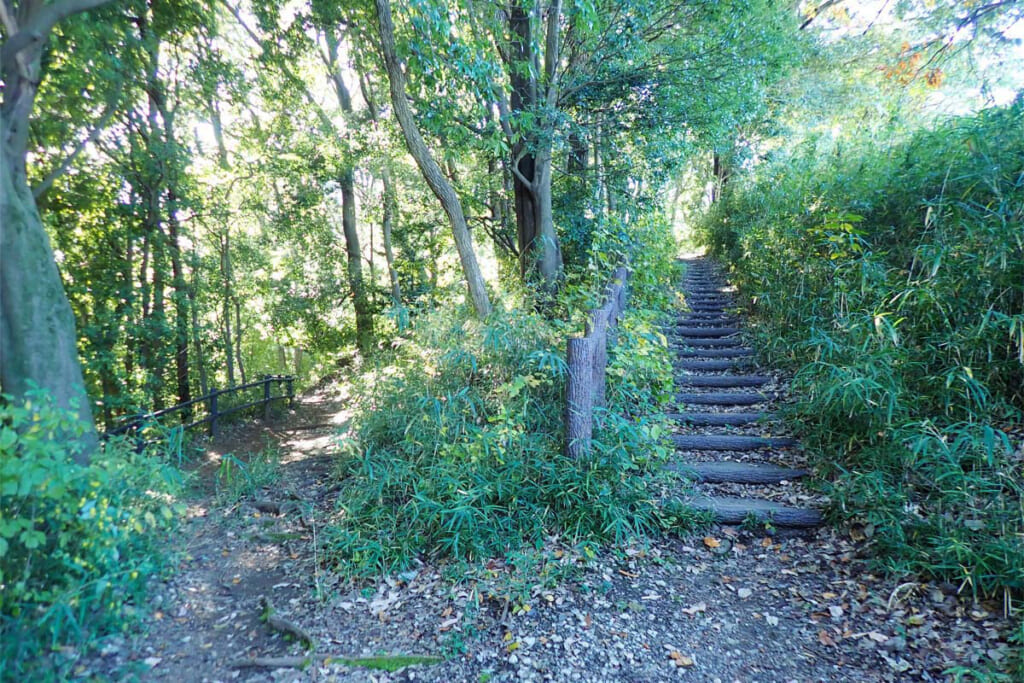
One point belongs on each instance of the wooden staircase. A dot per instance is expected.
(727, 440)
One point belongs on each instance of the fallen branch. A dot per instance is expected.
(382, 662)
(281, 624)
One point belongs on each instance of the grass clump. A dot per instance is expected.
(77, 542)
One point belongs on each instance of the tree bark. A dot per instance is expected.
(38, 341)
(226, 283)
(440, 186)
(357, 286)
(387, 222)
(361, 303)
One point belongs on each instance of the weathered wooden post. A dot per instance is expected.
(266, 397)
(597, 329)
(291, 391)
(213, 412)
(579, 394)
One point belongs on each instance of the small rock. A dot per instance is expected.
(744, 593)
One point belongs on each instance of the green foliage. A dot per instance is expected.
(77, 542)
(457, 448)
(890, 274)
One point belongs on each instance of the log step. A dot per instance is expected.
(697, 342)
(724, 398)
(718, 419)
(706, 315)
(728, 510)
(723, 380)
(713, 353)
(727, 442)
(737, 472)
(723, 320)
(706, 331)
(709, 365)
(707, 308)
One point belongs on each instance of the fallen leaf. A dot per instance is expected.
(711, 542)
(628, 574)
(825, 639)
(447, 612)
(679, 659)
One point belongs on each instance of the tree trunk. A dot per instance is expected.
(357, 287)
(364, 313)
(225, 274)
(37, 327)
(428, 166)
(238, 340)
(387, 221)
(193, 305)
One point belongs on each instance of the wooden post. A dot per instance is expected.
(291, 392)
(213, 412)
(597, 329)
(579, 393)
(266, 397)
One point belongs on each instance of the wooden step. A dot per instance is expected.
(723, 398)
(709, 365)
(721, 320)
(728, 510)
(728, 442)
(706, 331)
(723, 381)
(700, 342)
(727, 472)
(708, 308)
(718, 419)
(703, 314)
(683, 352)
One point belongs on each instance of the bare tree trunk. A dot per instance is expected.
(360, 301)
(204, 384)
(226, 283)
(238, 339)
(428, 166)
(387, 221)
(364, 314)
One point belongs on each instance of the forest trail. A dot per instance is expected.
(741, 603)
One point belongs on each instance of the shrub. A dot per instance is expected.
(77, 542)
(457, 447)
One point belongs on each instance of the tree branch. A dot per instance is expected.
(44, 186)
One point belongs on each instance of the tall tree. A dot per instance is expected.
(428, 165)
(38, 343)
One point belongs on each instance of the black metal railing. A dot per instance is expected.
(212, 407)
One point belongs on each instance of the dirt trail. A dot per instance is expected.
(734, 605)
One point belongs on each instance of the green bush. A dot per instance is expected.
(889, 274)
(77, 542)
(457, 446)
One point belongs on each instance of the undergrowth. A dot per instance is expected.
(78, 543)
(891, 278)
(457, 450)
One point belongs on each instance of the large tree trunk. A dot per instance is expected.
(442, 189)
(37, 328)
(538, 246)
